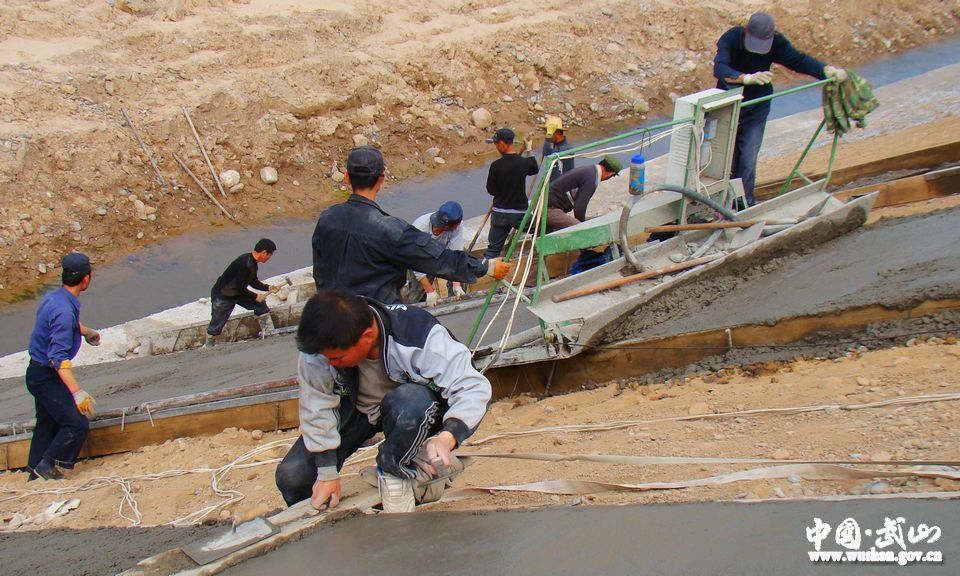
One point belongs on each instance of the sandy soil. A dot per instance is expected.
(922, 432)
(293, 85)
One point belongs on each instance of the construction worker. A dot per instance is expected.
(233, 288)
(744, 56)
(357, 246)
(556, 141)
(396, 370)
(506, 182)
(573, 191)
(62, 407)
(444, 226)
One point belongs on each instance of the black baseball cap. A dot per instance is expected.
(759, 35)
(76, 262)
(502, 135)
(365, 160)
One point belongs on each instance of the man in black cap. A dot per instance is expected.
(360, 248)
(744, 56)
(506, 182)
(62, 407)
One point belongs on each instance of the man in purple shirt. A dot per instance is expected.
(62, 407)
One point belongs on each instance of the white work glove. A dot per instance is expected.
(458, 291)
(758, 78)
(528, 144)
(838, 74)
(92, 337)
(433, 298)
(84, 402)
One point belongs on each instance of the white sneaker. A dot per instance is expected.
(396, 494)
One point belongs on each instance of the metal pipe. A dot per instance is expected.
(786, 92)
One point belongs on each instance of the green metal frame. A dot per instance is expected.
(602, 234)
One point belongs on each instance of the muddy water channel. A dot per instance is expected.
(181, 269)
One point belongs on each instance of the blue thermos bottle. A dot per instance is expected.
(636, 175)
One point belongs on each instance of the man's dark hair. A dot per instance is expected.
(363, 181)
(72, 278)
(332, 319)
(265, 245)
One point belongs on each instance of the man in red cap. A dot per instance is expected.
(744, 56)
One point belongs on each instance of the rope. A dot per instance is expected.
(617, 425)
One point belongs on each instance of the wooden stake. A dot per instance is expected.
(701, 226)
(635, 277)
(146, 151)
(202, 187)
(204, 152)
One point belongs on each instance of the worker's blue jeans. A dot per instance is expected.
(501, 223)
(221, 308)
(409, 414)
(753, 120)
(60, 429)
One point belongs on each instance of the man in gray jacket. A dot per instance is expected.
(573, 191)
(366, 367)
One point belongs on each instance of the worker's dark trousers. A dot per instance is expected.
(409, 414)
(753, 120)
(501, 223)
(221, 308)
(61, 428)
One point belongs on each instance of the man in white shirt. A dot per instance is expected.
(444, 226)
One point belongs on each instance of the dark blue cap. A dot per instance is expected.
(502, 135)
(449, 214)
(76, 262)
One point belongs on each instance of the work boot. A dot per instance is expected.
(396, 494)
(210, 342)
(48, 470)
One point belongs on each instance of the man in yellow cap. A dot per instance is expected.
(556, 141)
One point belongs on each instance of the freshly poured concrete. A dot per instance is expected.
(674, 539)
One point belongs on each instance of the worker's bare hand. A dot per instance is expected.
(326, 493)
(440, 446)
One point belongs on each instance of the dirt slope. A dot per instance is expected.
(295, 84)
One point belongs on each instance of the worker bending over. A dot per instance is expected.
(62, 407)
(395, 369)
(233, 288)
(444, 226)
(573, 191)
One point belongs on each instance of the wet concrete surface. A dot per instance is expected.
(181, 269)
(130, 382)
(895, 263)
(674, 539)
(93, 552)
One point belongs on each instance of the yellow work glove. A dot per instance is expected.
(84, 402)
(497, 268)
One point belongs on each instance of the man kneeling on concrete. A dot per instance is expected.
(365, 367)
(232, 289)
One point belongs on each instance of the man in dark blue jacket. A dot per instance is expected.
(360, 248)
(62, 406)
(744, 56)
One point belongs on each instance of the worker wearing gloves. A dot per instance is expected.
(444, 226)
(744, 56)
(573, 191)
(233, 288)
(360, 248)
(395, 369)
(62, 406)
(556, 141)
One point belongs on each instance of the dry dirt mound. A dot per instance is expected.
(294, 85)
